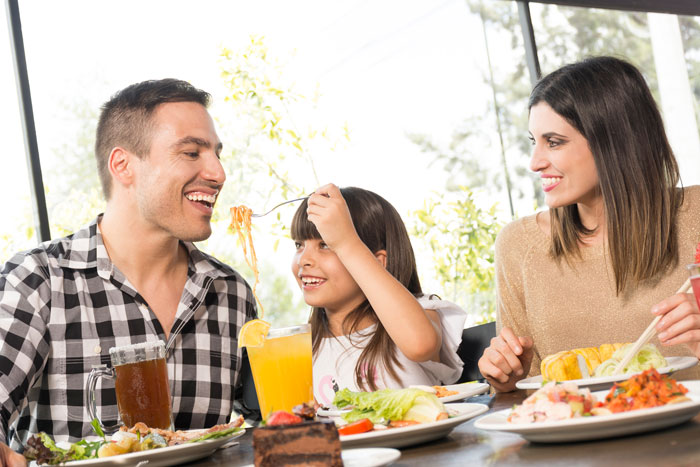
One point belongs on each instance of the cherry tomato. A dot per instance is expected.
(360, 426)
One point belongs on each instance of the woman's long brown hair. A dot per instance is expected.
(607, 100)
(380, 227)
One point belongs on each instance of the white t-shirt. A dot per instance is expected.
(334, 363)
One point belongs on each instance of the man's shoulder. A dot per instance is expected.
(52, 252)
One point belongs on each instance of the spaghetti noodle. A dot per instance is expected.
(241, 223)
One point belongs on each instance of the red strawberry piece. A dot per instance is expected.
(282, 418)
(697, 254)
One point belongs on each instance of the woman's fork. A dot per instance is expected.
(282, 203)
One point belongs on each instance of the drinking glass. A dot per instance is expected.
(140, 377)
(281, 369)
(694, 271)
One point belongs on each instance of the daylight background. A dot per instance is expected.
(421, 101)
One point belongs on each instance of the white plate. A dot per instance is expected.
(464, 391)
(414, 434)
(161, 457)
(369, 457)
(599, 426)
(605, 382)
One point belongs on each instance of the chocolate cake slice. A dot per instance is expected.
(307, 444)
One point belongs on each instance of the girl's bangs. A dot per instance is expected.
(302, 228)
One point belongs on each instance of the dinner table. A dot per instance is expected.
(467, 445)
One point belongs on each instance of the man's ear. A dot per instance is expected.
(121, 166)
(381, 257)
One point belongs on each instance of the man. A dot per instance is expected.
(130, 276)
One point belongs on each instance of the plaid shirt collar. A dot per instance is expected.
(88, 251)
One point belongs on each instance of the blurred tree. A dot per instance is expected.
(564, 35)
(461, 236)
(269, 131)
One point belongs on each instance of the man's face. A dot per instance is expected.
(177, 183)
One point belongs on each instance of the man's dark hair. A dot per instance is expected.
(126, 119)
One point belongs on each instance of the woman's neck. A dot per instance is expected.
(592, 217)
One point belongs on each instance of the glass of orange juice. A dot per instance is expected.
(282, 369)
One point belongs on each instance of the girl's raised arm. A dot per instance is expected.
(415, 331)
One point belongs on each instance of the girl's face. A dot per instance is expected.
(563, 159)
(323, 279)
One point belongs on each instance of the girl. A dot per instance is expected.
(372, 326)
(616, 237)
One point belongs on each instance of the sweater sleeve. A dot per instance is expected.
(511, 250)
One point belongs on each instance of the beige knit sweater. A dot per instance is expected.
(562, 307)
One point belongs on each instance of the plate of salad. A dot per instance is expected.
(151, 447)
(559, 413)
(594, 383)
(394, 418)
(448, 393)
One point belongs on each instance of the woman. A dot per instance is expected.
(616, 238)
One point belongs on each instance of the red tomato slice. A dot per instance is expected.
(360, 426)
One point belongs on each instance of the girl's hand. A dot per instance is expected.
(507, 360)
(328, 211)
(681, 321)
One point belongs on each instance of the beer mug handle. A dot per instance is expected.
(97, 372)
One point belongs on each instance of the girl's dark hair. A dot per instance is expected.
(380, 227)
(607, 100)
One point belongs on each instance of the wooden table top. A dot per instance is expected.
(466, 445)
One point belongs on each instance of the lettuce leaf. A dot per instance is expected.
(390, 405)
(647, 357)
(217, 434)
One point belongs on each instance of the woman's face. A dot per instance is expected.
(563, 159)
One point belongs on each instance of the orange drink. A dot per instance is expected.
(281, 369)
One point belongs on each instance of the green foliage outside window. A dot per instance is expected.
(461, 236)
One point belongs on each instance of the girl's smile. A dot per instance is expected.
(311, 282)
(323, 279)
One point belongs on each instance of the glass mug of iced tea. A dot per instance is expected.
(141, 382)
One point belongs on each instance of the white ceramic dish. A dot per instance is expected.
(600, 426)
(605, 382)
(415, 434)
(464, 391)
(369, 457)
(162, 457)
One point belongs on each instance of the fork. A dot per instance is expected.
(282, 203)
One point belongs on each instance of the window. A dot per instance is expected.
(17, 226)
(664, 47)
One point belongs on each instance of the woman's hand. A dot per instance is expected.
(507, 360)
(9, 458)
(680, 322)
(328, 211)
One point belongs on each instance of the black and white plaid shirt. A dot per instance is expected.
(64, 304)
